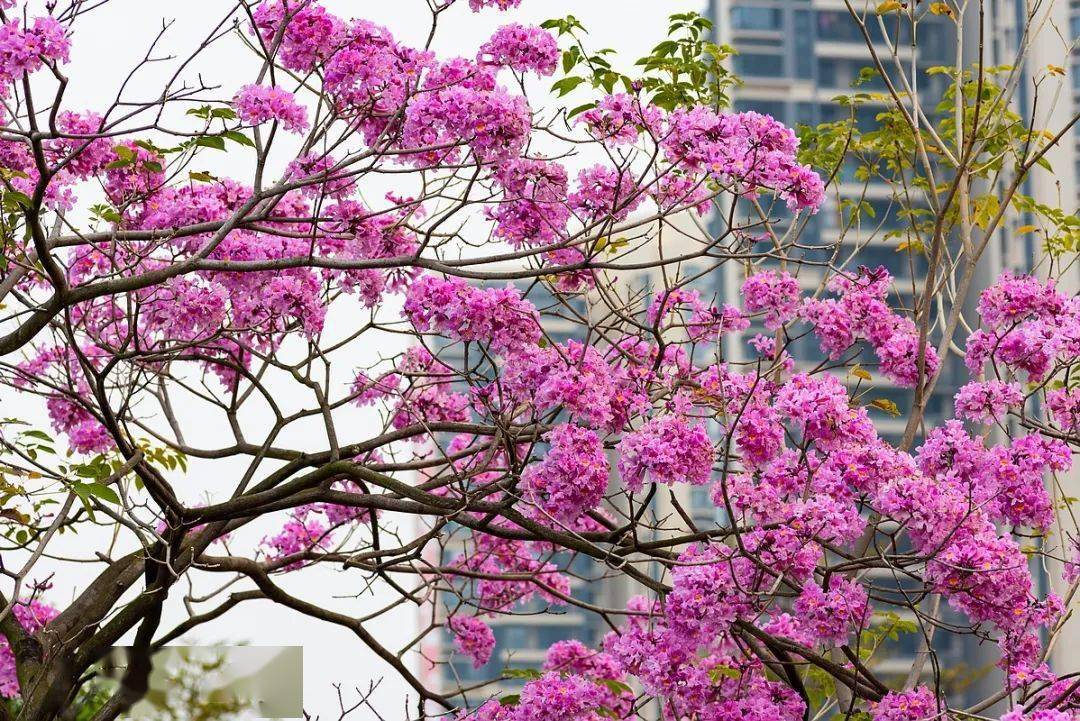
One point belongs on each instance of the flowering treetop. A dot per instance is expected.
(545, 402)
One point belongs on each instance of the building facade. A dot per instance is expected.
(795, 57)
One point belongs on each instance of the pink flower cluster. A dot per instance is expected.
(498, 317)
(667, 449)
(533, 210)
(32, 616)
(620, 119)
(493, 124)
(832, 616)
(511, 572)
(950, 509)
(311, 527)
(687, 309)
(861, 311)
(680, 656)
(1039, 715)
(522, 48)
(24, 49)
(370, 76)
(571, 477)
(576, 378)
(777, 294)
(987, 402)
(553, 697)
(309, 36)
(1029, 327)
(478, 5)
(750, 151)
(1064, 405)
(472, 637)
(258, 104)
(918, 703)
(604, 193)
(573, 657)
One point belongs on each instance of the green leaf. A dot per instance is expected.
(580, 109)
(719, 672)
(510, 699)
(14, 200)
(616, 687)
(884, 404)
(100, 490)
(237, 137)
(211, 141)
(529, 674)
(201, 176)
(124, 153)
(566, 85)
(83, 493)
(986, 207)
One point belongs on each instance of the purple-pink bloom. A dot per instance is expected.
(521, 48)
(472, 637)
(666, 450)
(258, 104)
(571, 477)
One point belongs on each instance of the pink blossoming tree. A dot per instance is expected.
(197, 347)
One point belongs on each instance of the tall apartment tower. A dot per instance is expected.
(794, 57)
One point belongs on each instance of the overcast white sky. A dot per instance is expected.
(107, 44)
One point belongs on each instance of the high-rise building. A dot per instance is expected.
(795, 57)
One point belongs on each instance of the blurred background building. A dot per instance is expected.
(795, 57)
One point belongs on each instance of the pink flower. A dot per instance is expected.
(861, 311)
(619, 119)
(32, 616)
(1064, 405)
(499, 317)
(367, 391)
(494, 124)
(572, 476)
(521, 48)
(832, 616)
(533, 210)
(258, 104)
(918, 703)
(987, 402)
(477, 5)
(752, 151)
(472, 637)
(299, 535)
(23, 50)
(604, 193)
(775, 293)
(310, 36)
(666, 450)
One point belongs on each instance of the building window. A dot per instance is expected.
(839, 26)
(828, 71)
(774, 108)
(759, 65)
(756, 18)
(804, 44)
